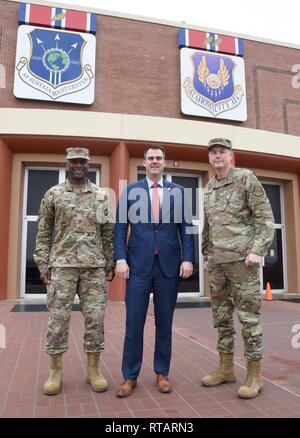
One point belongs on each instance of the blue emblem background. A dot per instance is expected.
(213, 64)
(47, 41)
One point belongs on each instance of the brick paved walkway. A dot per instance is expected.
(24, 368)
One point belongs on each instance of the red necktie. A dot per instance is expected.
(155, 203)
(155, 208)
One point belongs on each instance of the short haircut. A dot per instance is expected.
(154, 146)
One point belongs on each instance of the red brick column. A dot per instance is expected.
(5, 189)
(119, 170)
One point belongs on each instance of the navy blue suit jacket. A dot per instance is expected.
(174, 244)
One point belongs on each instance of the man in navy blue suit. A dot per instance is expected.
(160, 250)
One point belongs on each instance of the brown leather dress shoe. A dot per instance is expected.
(163, 383)
(126, 388)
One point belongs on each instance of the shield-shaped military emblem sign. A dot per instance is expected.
(55, 65)
(213, 85)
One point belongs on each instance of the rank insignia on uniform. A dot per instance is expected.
(55, 65)
(258, 191)
(213, 85)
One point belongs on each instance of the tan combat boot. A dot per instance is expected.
(53, 383)
(223, 374)
(253, 383)
(94, 376)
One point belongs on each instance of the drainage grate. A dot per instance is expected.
(37, 308)
(192, 305)
(76, 307)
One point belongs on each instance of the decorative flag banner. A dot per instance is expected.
(58, 18)
(210, 41)
(55, 65)
(212, 85)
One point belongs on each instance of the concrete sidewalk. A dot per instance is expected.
(24, 368)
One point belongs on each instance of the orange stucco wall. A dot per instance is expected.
(119, 170)
(5, 188)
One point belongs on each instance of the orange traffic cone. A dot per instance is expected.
(268, 296)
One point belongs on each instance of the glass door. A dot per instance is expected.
(193, 285)
(274, 267)
(36, 182)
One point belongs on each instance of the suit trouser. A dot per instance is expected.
(90, 285)
(235, 285)
(138, 291)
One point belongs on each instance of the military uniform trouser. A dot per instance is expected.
(90, 285)
(234, 285)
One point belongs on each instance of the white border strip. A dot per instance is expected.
(27, 13)
(88, 22)
(187, 37)
(53, 14)
(63, 21)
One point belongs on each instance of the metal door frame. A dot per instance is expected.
(33, 218)
(197, 223)
(281, 227)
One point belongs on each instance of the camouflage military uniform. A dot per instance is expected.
(238, 221)
(81, 250)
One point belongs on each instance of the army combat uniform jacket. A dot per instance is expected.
(69, 231)
(238, 218)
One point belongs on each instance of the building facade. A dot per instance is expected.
(137, 101)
